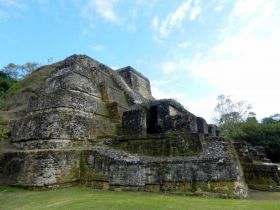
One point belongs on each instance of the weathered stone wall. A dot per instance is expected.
(75, 105)
(212, 130)
(202, 125)
(259, 172)
(70, 134)
(136, 81)
(262, 176)
(169, 144)
(215, 170)
(158, 116)
(134, 122)
(45, 168)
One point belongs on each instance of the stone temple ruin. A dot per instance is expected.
(90, 125)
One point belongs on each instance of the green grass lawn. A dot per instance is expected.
(84, 198)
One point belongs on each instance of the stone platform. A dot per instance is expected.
(90, 125)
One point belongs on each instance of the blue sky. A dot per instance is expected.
(192, 50)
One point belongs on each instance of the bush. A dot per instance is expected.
(6, 82)
(258, 134)
(14, 88)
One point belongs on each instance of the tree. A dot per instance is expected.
(229, 111)
(259, 134)
(229, 115)
(4, 75)
(271, 119)
(6, 82)
(16, 71)
(12, 70)
(29, 67)
(237, 122)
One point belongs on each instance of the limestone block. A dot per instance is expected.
(261, 176)
(54, 125)
(134, 122)
(165, 116)
(39, 168)
(118, 96)
(72, 81)
(65, 99)
(128, 175)
(212, 130)
(136, 81)
(170, 144)
(202, 126)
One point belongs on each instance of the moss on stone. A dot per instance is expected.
(152, 188)
(222, 187)
(169, 144)
(202, 187)
(261, 180)
(176, 186)
(88, 175)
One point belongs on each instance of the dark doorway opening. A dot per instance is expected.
(152, 120)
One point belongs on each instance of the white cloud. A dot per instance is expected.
(13, 3)
(184, 45)
(220, 5)
(188, 10)
(203, 107)
(11, 8)
(196, 106)
(247, 7)
(246, 62)
(98, 47)
(173, 20)
(106, 9)
(195, 11)
(219, 8)
(155, 23)
(159, 93)
(169, 67)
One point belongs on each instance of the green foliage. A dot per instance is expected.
(272, 119)
(4, 75)
(229, 115)
(237, 122)
(18, 94)
(6, 82)
(14, 88)
(259, 134)
(8, 189)
(4, 133)
(267, 135)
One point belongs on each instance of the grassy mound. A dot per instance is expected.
(13, 102)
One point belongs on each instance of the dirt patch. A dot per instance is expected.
(58, 203)
(263, 195)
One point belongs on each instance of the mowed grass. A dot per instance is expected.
(84, 198)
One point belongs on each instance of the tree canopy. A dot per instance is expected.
(229, 114)
(6, 81)
(16, 71)
(236, 121)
